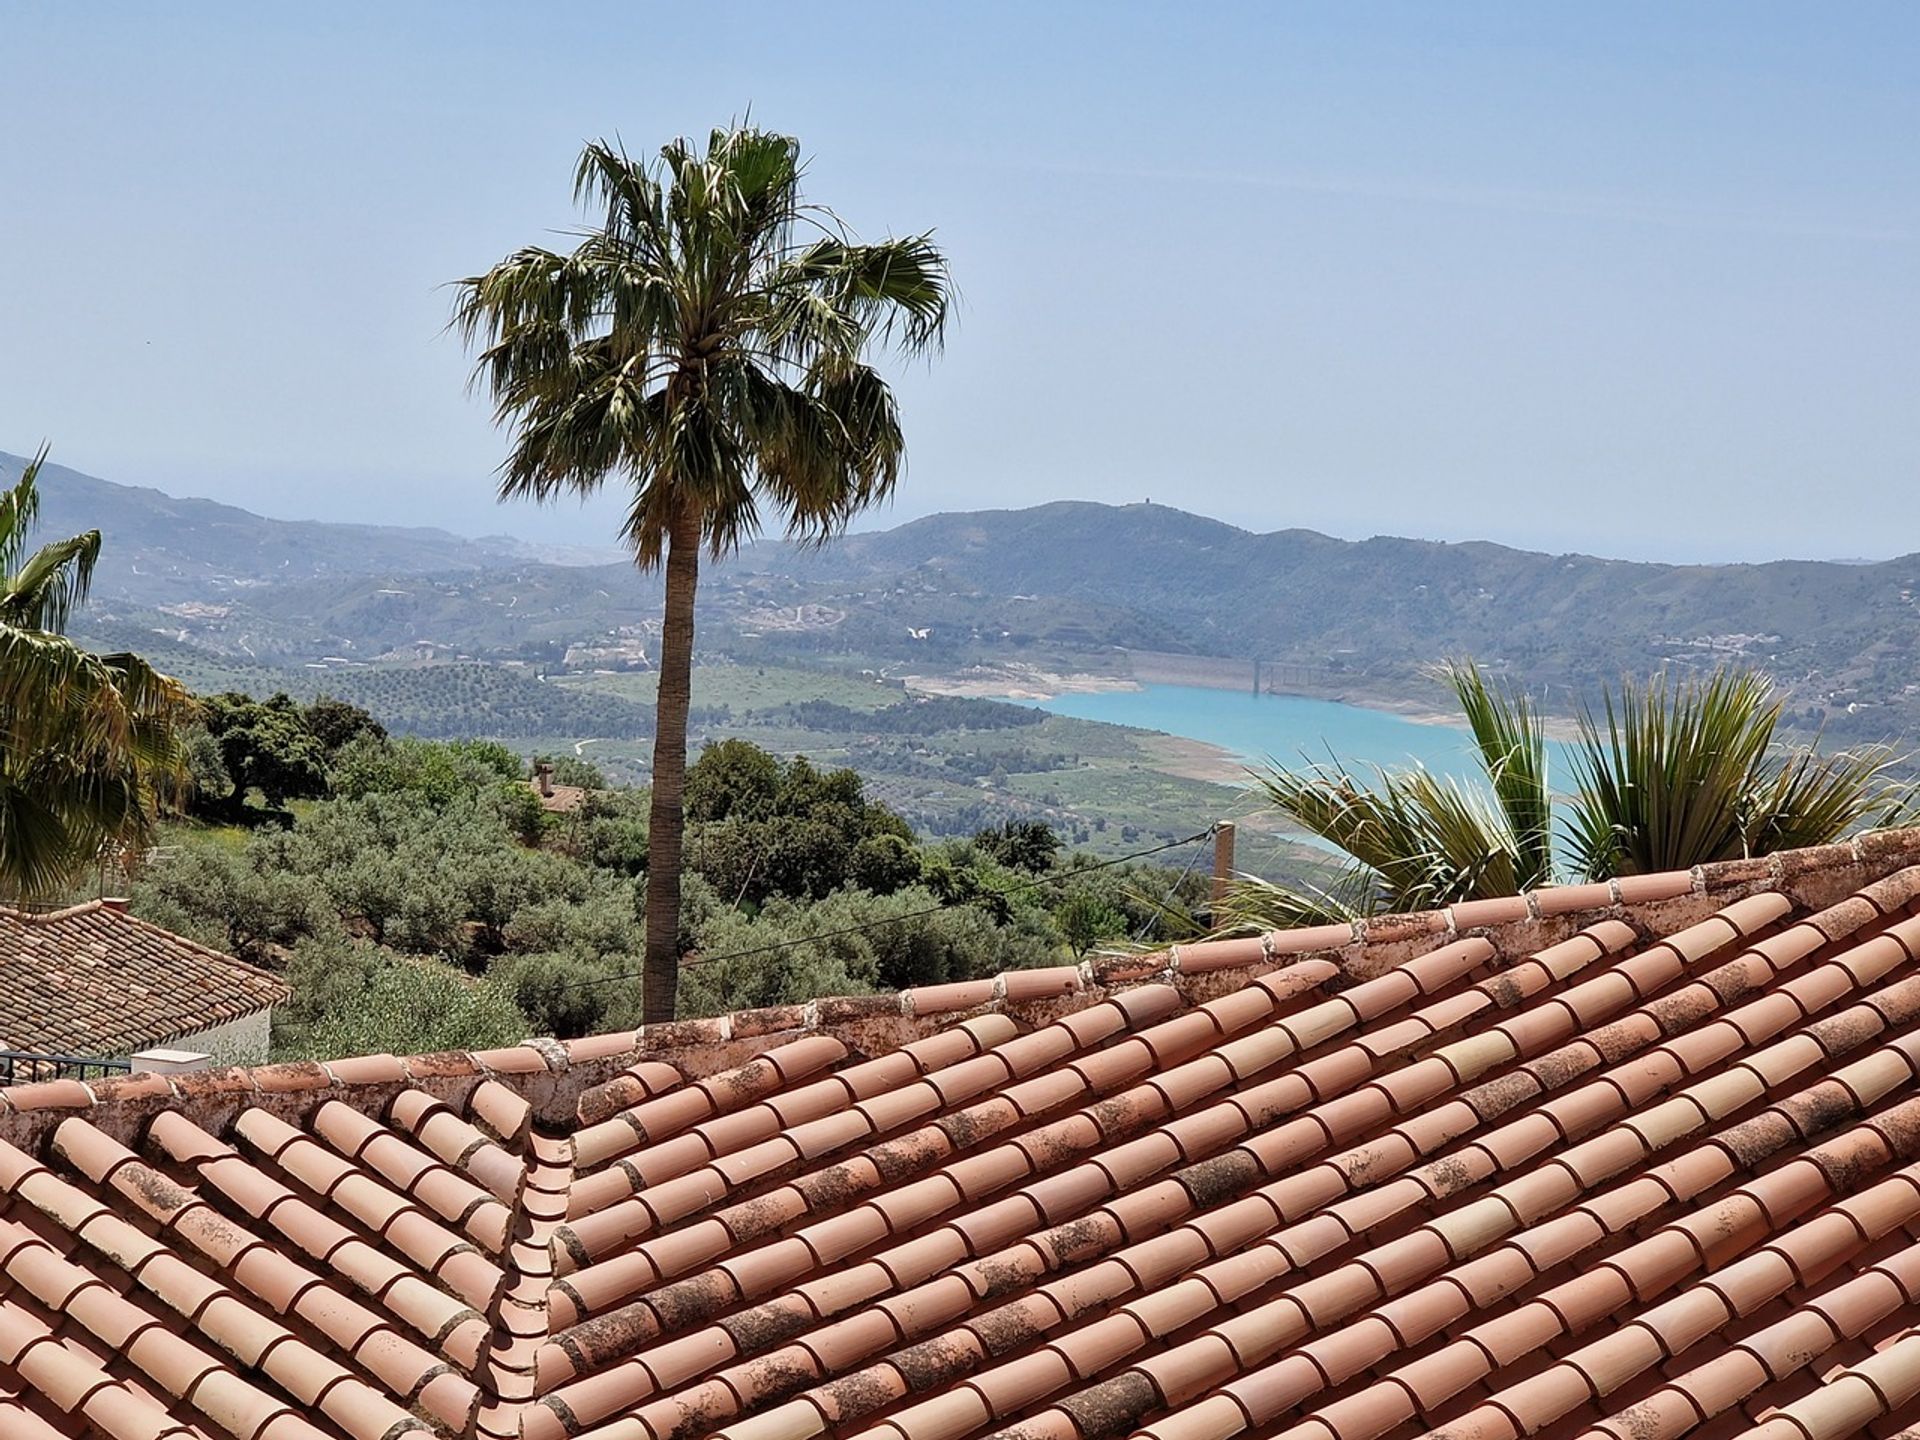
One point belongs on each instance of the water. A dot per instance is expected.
(1284, 727)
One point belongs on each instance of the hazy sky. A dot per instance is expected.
(1635, 280)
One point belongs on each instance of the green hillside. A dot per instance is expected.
(1066, 586)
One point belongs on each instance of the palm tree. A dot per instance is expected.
(91, 745)
(707, 339)
(1675, 775)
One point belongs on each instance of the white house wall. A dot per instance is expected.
(237, 1042)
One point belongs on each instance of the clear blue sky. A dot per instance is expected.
(1639, 280)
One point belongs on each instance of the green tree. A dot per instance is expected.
(733, 777)
(92, 747)
(265, 745)
(438, 771)
(697, 343)
(336, 722)
(250, 904)
(1029, 845)
(607, 832)
(1085, 919)
(764, 829)
(409, 1007)
(206, 766)
(884, 863)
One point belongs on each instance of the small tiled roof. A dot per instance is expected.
(560, 799)
(1619, 1162)
(94, 980)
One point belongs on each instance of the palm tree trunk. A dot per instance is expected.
(666, 825)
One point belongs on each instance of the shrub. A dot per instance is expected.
(229, 902)
(410, 1007)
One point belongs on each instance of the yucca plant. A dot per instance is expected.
(1668, 776)
(1681, 773)
(91, 745)
(1413, 839)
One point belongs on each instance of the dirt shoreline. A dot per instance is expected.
(1014, 681)
(1195, 759)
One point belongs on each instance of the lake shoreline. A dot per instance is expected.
(1196, 759)
(1020, 682)
(1031, 684)
(1212, 734)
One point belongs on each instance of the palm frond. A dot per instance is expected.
(1424, 840)
(1664, 778)
(834, 296)
(91, 745)
(1805, 798)
(1253, 906)
(1511, 741)
(19, 510)
(53, 582)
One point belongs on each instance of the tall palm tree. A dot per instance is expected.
(707, 340)
(90, 745)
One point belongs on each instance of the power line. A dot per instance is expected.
(1011, 890)
(1173, 891)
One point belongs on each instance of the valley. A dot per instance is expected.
(816, 651)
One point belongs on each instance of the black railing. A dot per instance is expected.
(20, 1067)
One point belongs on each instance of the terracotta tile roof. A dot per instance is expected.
(95, 980)
(560, 799)
(1622, 1163)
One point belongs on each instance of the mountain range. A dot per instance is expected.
(1068, 584)
(166, 550)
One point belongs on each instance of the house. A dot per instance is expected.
(94, 982)
(1625, 1161)
(556, 799)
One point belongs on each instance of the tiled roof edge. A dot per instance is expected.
(245, 970)
(1783, 869)
(527, 1064)
(51, 917)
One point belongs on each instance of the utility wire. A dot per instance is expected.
(699, 960)
(1173, 891)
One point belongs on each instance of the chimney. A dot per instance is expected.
(543, 776)
(116, 903)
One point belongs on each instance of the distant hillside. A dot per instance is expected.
(1839, 633)
(162, 549)
(1300, 594)
(1066, 585)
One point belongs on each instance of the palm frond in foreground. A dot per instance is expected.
(1673, 774)
(90, 745)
